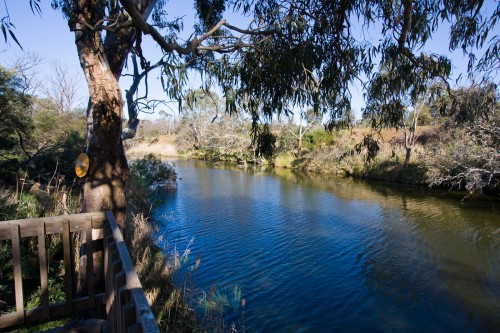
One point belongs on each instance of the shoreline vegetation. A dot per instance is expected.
(449, 141)
(340, 153)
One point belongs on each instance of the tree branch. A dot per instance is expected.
(21, 142)
(407, 17)
(193, 44)
(251, 32)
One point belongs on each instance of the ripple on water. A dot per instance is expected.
(311, 260)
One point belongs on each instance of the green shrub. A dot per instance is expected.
(28, 207)
(7, 205)
(318, 139)
(286, 142)
(56, 293)
(150, 172)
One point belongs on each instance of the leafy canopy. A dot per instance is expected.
(15, 109)
(302, 53)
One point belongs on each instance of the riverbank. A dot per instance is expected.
(451, 159)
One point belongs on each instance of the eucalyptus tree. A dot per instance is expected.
(307, 119)
(320, 48)
(292, 53)
(15, 109)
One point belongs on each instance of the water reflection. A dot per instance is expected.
(316, 253)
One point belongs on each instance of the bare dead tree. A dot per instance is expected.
(28, 67)
(63, 88)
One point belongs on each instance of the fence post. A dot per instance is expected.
(42, 256)
(18, 276)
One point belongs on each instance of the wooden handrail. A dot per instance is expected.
(128, 292)
(124, 299)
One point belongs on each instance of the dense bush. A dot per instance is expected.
(150, 172)
(286, 142)
(318, 139)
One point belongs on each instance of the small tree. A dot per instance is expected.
(15, 112)
(307, 120)
(409, 124)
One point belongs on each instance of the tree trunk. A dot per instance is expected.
(300, 138)
(407, 157)
(104, 187)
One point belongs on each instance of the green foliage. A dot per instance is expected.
(210, 12)
(468, 105)
(59, 139)
(34, 134)
(400, 85)
(370, 146)
(6, 275)
(56, 293)
(284, 160)
(314, 54)
(15, 111)
(28, 207)
(265, 142)
(222, 300)
(151, 172)
(286, 141)
(318, 139)
(40, 326)
(312, 117)
(220, 306)
(7, 205)
(424, 117)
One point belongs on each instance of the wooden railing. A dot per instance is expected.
(123, 299)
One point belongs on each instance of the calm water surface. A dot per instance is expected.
(315, 254)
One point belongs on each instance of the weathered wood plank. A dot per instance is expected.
(119, 290)
(107, 272)
(143, 311)
(90, 262)
(68, 265)
(116, 268)
(42, 258)
(56, 310)
(128, 311)
(18, 277)
(8, 319)
(53, 225)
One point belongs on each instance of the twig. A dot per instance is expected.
(50, 181)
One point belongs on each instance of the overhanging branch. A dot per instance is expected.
(193, 44)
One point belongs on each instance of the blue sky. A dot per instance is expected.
(48, 35)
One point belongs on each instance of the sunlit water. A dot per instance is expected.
(313, 254)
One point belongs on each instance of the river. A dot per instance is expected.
(318, 254)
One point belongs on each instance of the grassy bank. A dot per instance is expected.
(149, 176)
(443, 155)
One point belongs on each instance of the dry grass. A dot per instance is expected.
(155, 273)
(162, 146)
(159, 149)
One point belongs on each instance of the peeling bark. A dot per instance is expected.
(104, 188)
